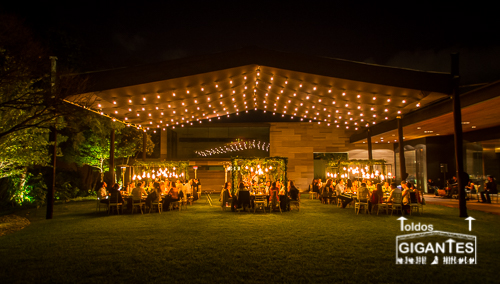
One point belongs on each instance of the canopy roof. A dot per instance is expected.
(479, 117)
(335, 92)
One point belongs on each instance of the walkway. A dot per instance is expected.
(493, 208)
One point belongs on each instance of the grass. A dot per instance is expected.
(321, 243)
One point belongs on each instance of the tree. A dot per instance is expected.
(89, 141)
(29, 97)
(129, 144)
(23, 149)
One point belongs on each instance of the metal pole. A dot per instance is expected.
(51, 186)
(52, 138)
(144, 142)
(369, 138)
(457, 123)
(402, 162)
(112, 157)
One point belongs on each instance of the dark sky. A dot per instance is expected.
(411, 35)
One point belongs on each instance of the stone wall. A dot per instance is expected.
(298, 142)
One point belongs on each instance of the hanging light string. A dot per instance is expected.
(104, 114)
(235, 147)
(301, 100)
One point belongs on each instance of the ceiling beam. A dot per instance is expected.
(437, 109)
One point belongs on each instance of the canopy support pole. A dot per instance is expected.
(457, 123)
(112, 157)
(51, 186)
(402, 162)
(144, 142)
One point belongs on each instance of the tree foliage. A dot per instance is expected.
(23, 149)
(89, 141)
(29, 97)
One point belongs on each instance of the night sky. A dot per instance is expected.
(95, 36)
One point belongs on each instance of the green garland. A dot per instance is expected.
(243, 165)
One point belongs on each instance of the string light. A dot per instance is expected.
(286, 91)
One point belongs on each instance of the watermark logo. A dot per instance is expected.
(431, 247)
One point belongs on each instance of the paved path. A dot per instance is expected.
(493, 208)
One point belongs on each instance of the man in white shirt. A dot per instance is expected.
(395, 196)
(339, 188)
(138, 192)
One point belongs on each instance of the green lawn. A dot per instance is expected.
(321, 243)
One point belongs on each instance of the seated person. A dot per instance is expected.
(130, 187)
(470, 187)
(154, 195)
(138, 192)
(386, 187)
(102, 194)
(396, 195)
(293, 192)
(406, 197)
(326, 191)
(452, 181)
(339, 188)
(196, 184)
(115, 195)
(188, 189)
(274, 198)
(172, 195)
(489, 188)
(377, 196)
(363, 193)
(243, 196)
(226, 195)
(315, 186)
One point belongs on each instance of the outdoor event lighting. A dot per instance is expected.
(281, 90)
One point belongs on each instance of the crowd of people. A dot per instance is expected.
(451, 188)
(275, 192)
(154, 191)
(366, 191)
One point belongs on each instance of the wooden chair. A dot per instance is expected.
(339, 202)
(260, 201)
(99, 204)
(296, 203)
(138, 203)
(333, 199)
(184, 202)
(414, 204)
(175, 203)
(157, 205)
(115, 204)
(274, 202)
(396, 207)
(311, 192)
(244, 199)
(383, 207)
(361, 204)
